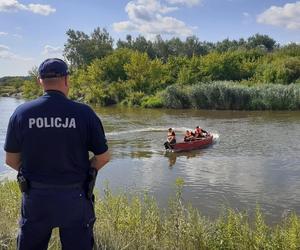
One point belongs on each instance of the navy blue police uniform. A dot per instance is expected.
(54, 136)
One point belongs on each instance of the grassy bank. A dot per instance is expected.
(12, 86)
(230, 95)
(133, 222)
(204, 95)
(9, 90)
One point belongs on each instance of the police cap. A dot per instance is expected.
(53, 67)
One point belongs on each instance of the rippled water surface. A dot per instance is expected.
(255, 158)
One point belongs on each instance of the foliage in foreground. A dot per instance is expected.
(132, 222)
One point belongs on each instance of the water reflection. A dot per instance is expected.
(141, 154)
(172, 156)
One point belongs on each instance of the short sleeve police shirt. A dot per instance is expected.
(54, 135)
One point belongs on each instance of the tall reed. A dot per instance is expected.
(235, 96)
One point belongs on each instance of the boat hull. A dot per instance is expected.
(191, 145)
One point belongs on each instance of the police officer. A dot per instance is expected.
(48, 142)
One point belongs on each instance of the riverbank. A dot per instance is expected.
(10, 91)
(12, 86)
(252, 74)
(132, 222)
(204, 95)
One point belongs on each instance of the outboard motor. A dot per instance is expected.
(167, 145)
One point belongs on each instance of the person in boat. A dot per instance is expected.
(189, 136)
(171, 139)
(199, 132)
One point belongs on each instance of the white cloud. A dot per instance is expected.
(6, 53)
(246, 14)
(124, 26)
(14, 6)
(3, 47)
(185, 2)
(287, 16)
(3, 33)
(51, 50)
(146, 10)
(41, 9)
(11, 5)
(149, 18)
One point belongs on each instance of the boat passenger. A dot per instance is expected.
(199, 132)
(188, 136)
(171, 139)
(171, 136)
(169, 133)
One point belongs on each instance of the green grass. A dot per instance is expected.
(134, 222)
(234, 96)
(8, 90)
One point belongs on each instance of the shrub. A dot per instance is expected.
(152, 102)
(175, 97)
(133, 99)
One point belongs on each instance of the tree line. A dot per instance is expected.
(139, 72)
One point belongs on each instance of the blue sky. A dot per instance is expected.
(32, 30)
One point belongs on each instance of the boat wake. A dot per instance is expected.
(151, 129)
(216, 137)
(157, 129)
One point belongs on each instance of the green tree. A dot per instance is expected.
(261, 41)
(31, 87)
(283, 70)
(145, 75)
(112, 66)
(174, 66)
(193, 47)
(139, 44)
(161, 48)
(191, 71)
(125, 44)
(81, 49)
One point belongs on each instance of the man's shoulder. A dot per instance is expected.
(36, 104)
(82, 109)
(27, 106)
(80, 106)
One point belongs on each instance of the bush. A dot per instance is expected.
(279, 70)
(152, 102)
(133, 99)
(31, 89)
(175, 97)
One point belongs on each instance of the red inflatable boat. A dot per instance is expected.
(191, 145)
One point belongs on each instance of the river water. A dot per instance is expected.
(255, 158)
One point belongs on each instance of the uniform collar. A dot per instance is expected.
(54, 92)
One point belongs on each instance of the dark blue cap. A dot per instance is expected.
(53, 67)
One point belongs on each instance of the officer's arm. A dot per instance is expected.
(98, 161)
(13, 160)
